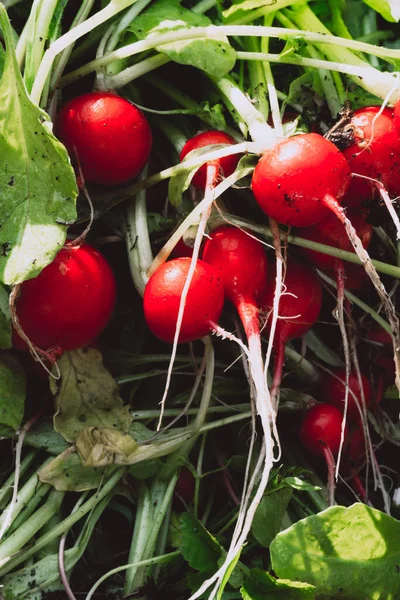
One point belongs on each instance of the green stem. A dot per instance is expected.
(199, 469)
(66, 524)
(174, 412)
(273, 97)
(140, 533)
(257, 80)
(64, 57)
(41, 490)
(341, 51)
(24, 534)
(114, 82)
(37, 41)
(112, 9)
(7, 486)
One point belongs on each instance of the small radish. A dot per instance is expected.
(332, 390)
(107, 135)
(185, 486)
(204, 301)
(69, 303)
(225, 165)
(320, 434)
(241, 262)
(299, 308)
(296, 180)
(321, 428)
(374, 152)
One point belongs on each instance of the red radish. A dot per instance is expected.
(299, 307)
(321, 428)
(296, 180)
(332, 390)
(374, 152)
(109, 137)
(226, 165)
(69, 303)
(241, 262)
(204, 302)
(320, 434)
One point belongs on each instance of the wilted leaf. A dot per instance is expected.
(87, 395)
(102, 447)
(43, 436)
(345, 552)
(67, 473)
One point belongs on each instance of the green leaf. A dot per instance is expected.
(299, 484)
(86, 395)
(346, 552)
(261, 586)
(36, 178)
(199, 548)
(214, 56)
(67, 474)
(389, 9)
(5, 320)
(44, 437)
(235, 9)
(12, 392)
(269, 514)
(230, 575)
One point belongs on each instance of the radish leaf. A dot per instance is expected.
(12, 394)
(214, 56)
(5, 320)
(261, 585)
(269, 514)
(342, 552)
(389, 9)
(199, 548)
(37, 180)
(106, 446)
(87, 395)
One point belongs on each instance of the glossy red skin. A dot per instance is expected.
(303, 298)
(293, 177)
(331, 232)
(396, 116)
(70, 302)
(108, 135)
(162, 295)
(227, 164)
(240, 261)
(333, 391)
(321, 426)
(379, 158)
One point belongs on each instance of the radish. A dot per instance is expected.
(69, 303)
(332, 390)
(204, 301)
(225, 165)
(320, 434)
(299, 308)
(297, 181)
(107, 135)
(241, 262)
(374, 152)
(185, 487)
